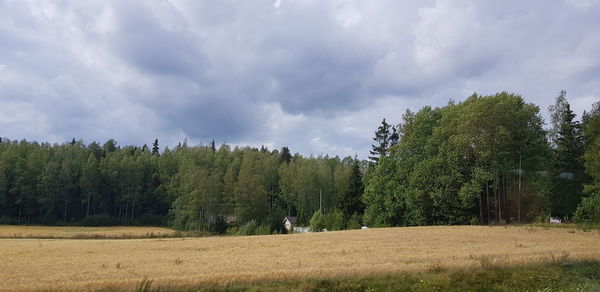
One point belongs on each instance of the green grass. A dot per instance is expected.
(565, 276)
(580, 226)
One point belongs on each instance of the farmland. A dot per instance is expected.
(68, 264)
(77, 232)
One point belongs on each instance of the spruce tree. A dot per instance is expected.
(212, 146)
(567, 168)
(351, 202)
(382, 142)
(285, 156)
(155, 147)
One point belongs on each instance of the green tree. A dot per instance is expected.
(382, 142)
(155, 148)
(351, 202)
(250, 194)
(589, 209)
(567, 167)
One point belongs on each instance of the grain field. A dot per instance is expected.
(78, 232)
(56, 264)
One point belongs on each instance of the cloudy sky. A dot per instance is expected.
(317, 76)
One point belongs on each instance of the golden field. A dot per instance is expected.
(67, 264)
(66, 232)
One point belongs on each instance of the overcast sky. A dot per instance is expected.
(317, 76)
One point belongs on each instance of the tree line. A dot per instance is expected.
(485, 160)
(190, 187)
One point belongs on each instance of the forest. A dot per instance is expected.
(485, 160)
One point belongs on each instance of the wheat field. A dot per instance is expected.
(79, 265)
(78, 232)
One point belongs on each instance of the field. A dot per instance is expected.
(77, 232)
(68, 264)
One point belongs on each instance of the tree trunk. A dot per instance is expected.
(497, 206)
(88, 204)
(487, 200)
(133, 210)
(480, 209)
(65, 217)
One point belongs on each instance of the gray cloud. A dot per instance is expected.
(315, 75)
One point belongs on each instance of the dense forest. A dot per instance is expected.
(198, 187)
(486, 160)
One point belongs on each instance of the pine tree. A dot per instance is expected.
(155, 147)
(382, 139)
(212, 146)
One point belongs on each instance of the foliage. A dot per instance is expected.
(317, 222)
(450, 159)
(197, 188)
(567, 168)
(386, 136)
(589, 209)
(351, 203)
(253, 228)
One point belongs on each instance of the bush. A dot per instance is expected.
(474, 221)
(317, 222)
(589, 210)
(98, 220)
(253, 228)
(334, 221)
(354, 222)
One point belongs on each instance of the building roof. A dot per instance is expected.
(292, 220)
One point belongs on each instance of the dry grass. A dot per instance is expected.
(77, 232)
(30, 264)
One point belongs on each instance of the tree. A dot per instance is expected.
(351, 202)
(567, 168)
(588, 210)
(110, 146)
(155, 147)
(250, 195)
(458, 164)
(382, 142)
(285, 156)
(557, 115)
(90, 179)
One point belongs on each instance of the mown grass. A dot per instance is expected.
(554, 276)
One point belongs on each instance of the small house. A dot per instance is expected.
(289, 223)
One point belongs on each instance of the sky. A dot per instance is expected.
(314, 75)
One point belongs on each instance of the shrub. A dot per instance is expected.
(588, 210)
(317, 222)
(334, 220)
(263, 230)
(354, 222)
(249, 228)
